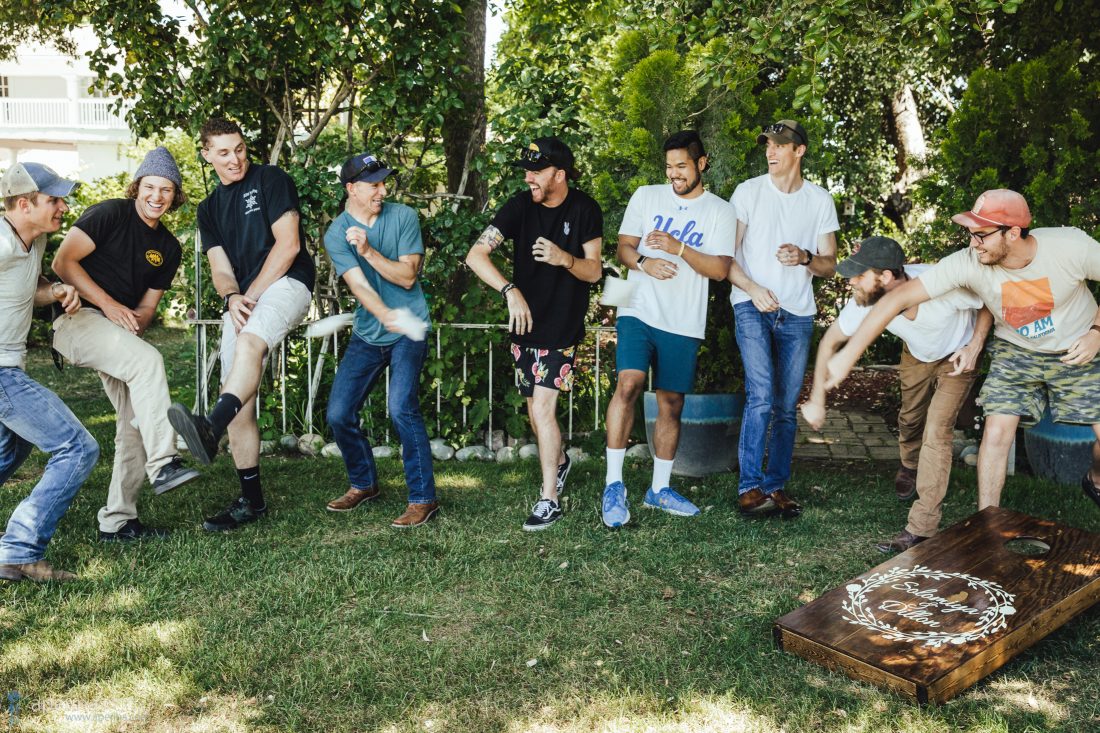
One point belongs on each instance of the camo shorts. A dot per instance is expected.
(1022, 382)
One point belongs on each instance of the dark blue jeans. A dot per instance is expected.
(774, 349)
(30, 415)
(359, 371)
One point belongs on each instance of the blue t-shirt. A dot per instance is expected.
(396, 232)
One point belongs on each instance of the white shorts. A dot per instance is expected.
(280, 308)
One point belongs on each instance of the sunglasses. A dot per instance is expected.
(372, 166)
(529, 155)
(980, 236)
(778, 129)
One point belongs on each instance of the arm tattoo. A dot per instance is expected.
(290, 214)
(491, 237)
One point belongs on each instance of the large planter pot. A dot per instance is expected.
(709, 428)
(1059, 451)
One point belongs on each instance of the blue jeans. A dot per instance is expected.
(774, 349)
(359, 371)
(30, 415)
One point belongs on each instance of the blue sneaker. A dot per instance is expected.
(615, 511)
(669, 501)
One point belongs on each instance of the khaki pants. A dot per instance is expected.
(930, 403)
(132, 372)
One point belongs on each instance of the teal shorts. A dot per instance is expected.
(1023, 383)
(671, 355)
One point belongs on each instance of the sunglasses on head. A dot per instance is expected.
(372, 166)
(778, 129)
(530, 155)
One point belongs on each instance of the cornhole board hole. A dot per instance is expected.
(932, 621)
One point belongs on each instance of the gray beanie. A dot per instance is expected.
(159, 162)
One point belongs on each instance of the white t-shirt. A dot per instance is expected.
(772, 218)
(941, 327)
(19, 271)
(1043, 307)
(705, 223)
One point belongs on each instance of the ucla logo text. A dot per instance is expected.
(687, 235)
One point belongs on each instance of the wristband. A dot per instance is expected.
(225, 299)
(641, 259)
(681, 252)
(506, 288)
(809, 258)
(572, 261)
(1094, 327)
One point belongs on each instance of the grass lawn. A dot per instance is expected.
(313, 621)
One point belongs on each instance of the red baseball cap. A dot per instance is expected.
(997, 208)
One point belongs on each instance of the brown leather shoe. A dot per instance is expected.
(352, 499)
(755, 503)
(416, 515)
(901, 542)
(905, 483)
(788, 507)
(1090, 488)
(39, 571)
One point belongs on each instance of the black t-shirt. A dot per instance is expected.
(558, 300)
(130, 257)
(238, 218)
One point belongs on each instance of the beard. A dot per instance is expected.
(869, 297)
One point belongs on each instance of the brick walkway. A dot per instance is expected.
(847, 436)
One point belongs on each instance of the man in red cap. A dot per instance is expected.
(1047, 326)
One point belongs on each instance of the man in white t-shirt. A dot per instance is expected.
(672, 238)
(942, 341)
(1035, 283)
(785, 236)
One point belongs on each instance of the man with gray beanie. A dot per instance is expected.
(121, 259)
(942, 340)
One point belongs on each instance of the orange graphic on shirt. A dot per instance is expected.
(1026, 301)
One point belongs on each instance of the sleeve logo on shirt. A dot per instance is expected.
(154, 258)
(251, 201)
(687, 235)
(1027, 306)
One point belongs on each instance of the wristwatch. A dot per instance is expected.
(225, 300)
(809, 258)
(641, 259)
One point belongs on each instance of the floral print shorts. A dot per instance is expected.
(550, 368)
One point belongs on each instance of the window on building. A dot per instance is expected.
(3, 86)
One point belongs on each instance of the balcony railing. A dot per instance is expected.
(96, 114)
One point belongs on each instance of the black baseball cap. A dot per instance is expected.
(880, 253)
(364, 167)
(783, 132)
(545, 152)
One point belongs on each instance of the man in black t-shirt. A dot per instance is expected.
(253, 238)
(556, 232)
(121, 259)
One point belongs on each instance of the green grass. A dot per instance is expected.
(312, 621)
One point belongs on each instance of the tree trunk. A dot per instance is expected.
(464, 129)
(906, 133)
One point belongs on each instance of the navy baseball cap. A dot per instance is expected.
(24, 178)
(364, 167)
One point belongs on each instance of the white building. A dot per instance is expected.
(48, 115)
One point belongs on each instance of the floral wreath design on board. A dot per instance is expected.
(991, 620)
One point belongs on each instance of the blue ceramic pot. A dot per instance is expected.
(1059, 451)
(709, 428)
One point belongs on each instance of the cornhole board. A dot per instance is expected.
(932, 621)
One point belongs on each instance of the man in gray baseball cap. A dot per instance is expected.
(941, 344)
(33, 198)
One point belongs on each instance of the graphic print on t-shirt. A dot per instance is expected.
(1026, 306)
(687, 235)
(251, 201)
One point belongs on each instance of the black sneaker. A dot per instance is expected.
(563, 471)
(239, 512)
(173, 475)
(132, 531)
(1090, 488)
(196, 431)
(545, 513)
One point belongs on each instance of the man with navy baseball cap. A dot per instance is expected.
(34, 204)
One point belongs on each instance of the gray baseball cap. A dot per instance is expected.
(880, 253)
(24, 178)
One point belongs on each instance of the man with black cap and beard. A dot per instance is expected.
(556, 232)
(942, 339)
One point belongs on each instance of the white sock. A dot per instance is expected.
(662, 473)
(615, 458)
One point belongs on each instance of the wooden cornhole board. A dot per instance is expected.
(932, 621)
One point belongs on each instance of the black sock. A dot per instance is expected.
(250, 486)
(225, 409)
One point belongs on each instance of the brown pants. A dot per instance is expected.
(930, 403)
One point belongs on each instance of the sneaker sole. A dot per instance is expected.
(906, 497)
(421, 522)
(215, 528)
(176, 482)
(179, 417)
(673, 512)
(540, 527)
